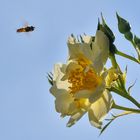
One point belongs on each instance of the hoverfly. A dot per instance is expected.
(26, 29)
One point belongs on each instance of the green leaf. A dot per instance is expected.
(107, 30)
(103, 129)
(51, 82)
(50, 78)
(131, 87)
(126, 70)
(115, 117)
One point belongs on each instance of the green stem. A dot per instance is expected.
(114, 106)
(125, 95)
(127, 56)
(134, 101)
(135, 46)
(132, 42)
(113, 60)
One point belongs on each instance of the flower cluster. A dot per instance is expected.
(84, 85)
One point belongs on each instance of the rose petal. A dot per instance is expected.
(99, 109)
(100, 51)
(75, 117)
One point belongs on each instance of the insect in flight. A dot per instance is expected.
(26, 29)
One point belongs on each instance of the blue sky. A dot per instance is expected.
(26, 108)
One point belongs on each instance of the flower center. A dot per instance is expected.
(83, 77)
(82, 103)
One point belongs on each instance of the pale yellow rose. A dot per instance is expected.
(79, 85)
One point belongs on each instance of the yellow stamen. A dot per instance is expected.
(83, 78)
(112, 76)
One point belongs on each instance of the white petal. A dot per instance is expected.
(99, 109)
(97, 93)
(63, 102)
(74, 50)
(63, 85)
(59, 70)
(86, 50)
(87, 38)
(58, 85)
(100, 51)
(75, 117)
(83, 94)
(55, 90)
(78, 48)
(71, 40)
(102, 40)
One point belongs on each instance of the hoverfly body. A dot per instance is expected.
(26, 29)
